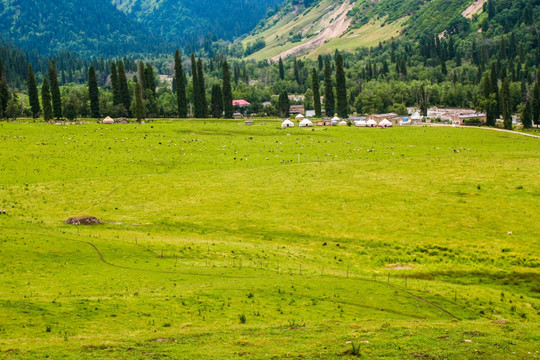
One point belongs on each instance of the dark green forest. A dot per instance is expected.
(186, 22)
(490, 64)
(87, 27)
(98, 28)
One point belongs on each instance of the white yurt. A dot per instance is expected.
(371, 123)
(299, 117)
(108, 120)
(305, 123)
(360, 123)
(385, 123)
(286, 124)
(335, 118)
(342, 123)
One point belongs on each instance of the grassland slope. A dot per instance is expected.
(326, 25)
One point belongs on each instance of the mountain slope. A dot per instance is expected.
(88, 27)
(322, 26)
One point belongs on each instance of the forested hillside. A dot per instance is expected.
(118, 27)
(87, 27)
(187, 21)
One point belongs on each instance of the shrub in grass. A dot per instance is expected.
(355, 350)
(242, 319)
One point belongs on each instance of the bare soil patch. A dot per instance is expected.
(473, 8)
(83, 220)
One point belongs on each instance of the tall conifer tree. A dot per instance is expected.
(55, 90)
(217, 101)
(180, 85)
(46, 100)
(506, 106)
(4, 92)
(124, 90)
(149, 79)
(526, 115)
(490, 101)
(196, 92)
(341, 89)
(495, 89)
(281, 69)
(139, 110)
(93, 92)
(140, 75)
(296, 72)
(329, 101)
(117, 94)
(33, 94)
(4, 98)
(227, 92)
(284, 104)
(536, 102)
(316, 92)
(202, 90)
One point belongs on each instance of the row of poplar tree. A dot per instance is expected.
(51, 100)
(144, 98)
(144, 101)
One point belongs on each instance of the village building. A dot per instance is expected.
(396, 120)
(416, 118)
(297, 109)
(380, 117)
(461, 119)
(241, 103)
(311, 113)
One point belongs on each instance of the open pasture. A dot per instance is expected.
(225, 241)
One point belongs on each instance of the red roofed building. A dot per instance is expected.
(240, 102)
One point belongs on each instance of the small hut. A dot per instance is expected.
(385, 123)
(300, 117)
(371, 123)
(286, 124)
(305, 123)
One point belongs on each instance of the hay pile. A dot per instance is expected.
(83, 220)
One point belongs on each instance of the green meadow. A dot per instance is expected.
(223, 241)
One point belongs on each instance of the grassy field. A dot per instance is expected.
(368, 35)
(229, 241)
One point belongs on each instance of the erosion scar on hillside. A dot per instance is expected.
(331, 30)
